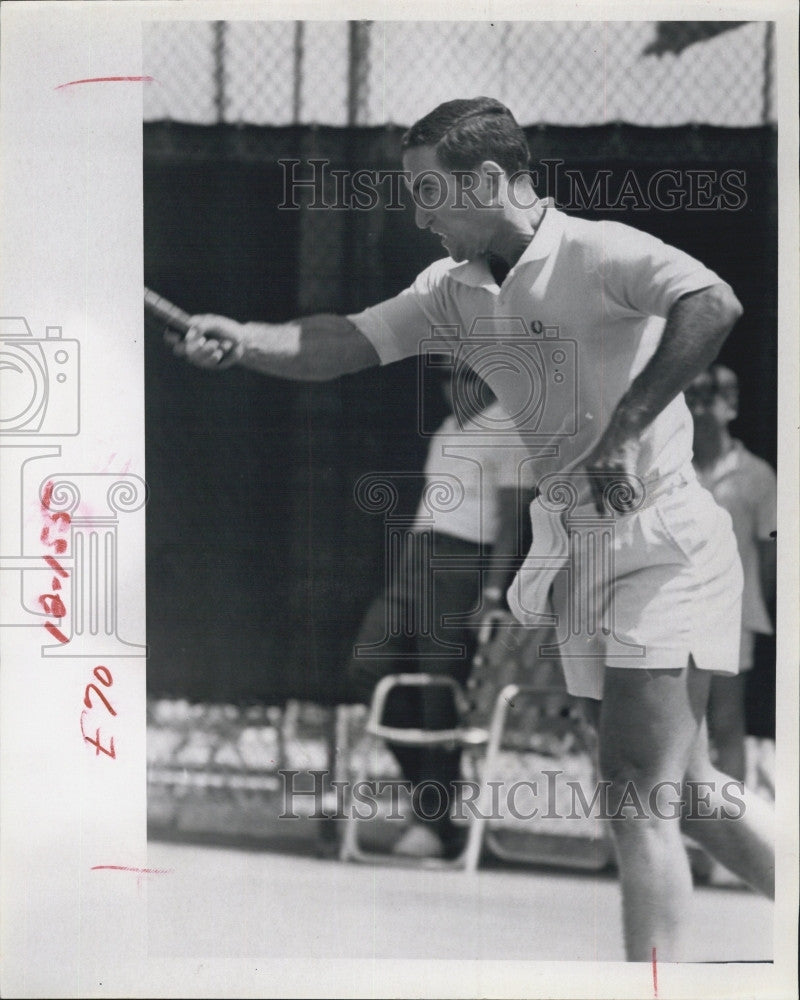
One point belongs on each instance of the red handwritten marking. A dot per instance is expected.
(103, 674)
(59, 544)
(655, 974)
(51, 628)
(107, 79)
(95, 741)
(108, 680)
(52, 603)
(53, 564)
(138, 871)
(47, 496)
(87, 700)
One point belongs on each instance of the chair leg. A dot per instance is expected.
(477, 824)
(350, 849)
(473, 848)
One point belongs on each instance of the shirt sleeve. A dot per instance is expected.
(397, 327)
(646, 275)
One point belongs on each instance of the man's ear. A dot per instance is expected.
(492, 176)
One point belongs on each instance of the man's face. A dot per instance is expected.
(461, 210)
(711, 404)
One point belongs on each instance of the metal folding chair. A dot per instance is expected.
(469, 738)
(492, 698)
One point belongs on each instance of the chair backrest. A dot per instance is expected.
(508, 653)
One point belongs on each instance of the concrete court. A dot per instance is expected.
(231, 903)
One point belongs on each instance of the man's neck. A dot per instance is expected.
(514, 235)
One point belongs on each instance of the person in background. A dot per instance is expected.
(746, 486)
(490, 467)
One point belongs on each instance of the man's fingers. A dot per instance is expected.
(612, 488)
(205, 350)
(598, 489)
(175, 341)
(207, 343)
(229, 353)
(199, 349)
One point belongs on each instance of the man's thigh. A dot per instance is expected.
(650, 720)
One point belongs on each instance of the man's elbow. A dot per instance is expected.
(728, 307)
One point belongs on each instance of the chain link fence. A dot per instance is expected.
(650, 73)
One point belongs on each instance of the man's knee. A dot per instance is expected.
(621, 763)
(641, 786)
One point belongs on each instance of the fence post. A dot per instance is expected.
(297, 70)
(769, 71)
(219, 28)
(358, 51)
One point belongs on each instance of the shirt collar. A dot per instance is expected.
(476, 272)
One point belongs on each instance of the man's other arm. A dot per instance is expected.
(312, 349)
(695, 330)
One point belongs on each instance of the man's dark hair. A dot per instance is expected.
(464, 133)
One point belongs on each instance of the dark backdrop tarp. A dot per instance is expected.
(259, 561)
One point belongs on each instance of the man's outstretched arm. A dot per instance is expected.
(312, 349)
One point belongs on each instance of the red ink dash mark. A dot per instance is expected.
(56, 632)
(56, 566)
(136, 871)
(655, 974)
(107, 79)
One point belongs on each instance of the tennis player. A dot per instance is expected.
(646, 318)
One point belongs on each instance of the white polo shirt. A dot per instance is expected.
(483, 463)
(576, 319)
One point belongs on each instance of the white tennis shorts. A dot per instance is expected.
(671, 588)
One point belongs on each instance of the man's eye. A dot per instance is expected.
(430, 195)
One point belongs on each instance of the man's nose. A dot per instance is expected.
(422, 217)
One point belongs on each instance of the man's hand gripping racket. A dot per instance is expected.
(206, 341)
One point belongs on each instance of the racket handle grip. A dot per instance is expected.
(166, 312)
(175, 319)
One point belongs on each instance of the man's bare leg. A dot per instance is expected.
(726, 722)
(651, 731)
(649, 724)
(743, 838)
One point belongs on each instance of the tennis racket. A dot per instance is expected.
(166, 312)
